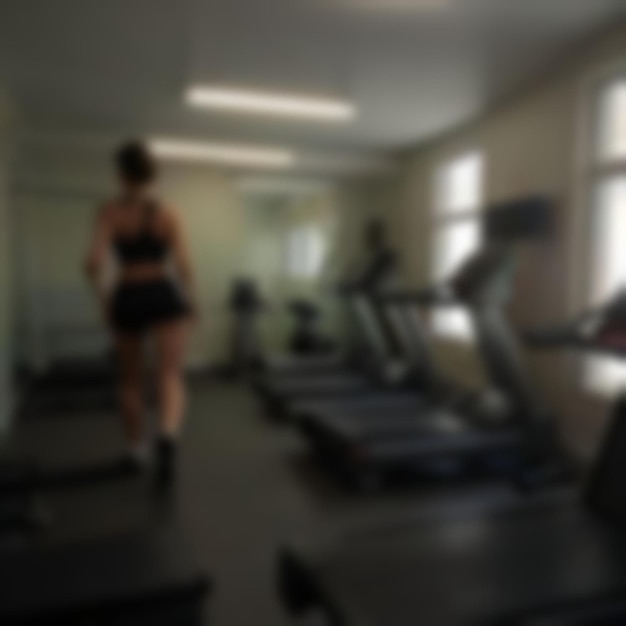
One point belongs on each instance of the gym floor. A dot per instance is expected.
(246, 485)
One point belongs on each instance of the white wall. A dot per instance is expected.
(531, 145)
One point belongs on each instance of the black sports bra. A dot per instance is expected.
(143, 246)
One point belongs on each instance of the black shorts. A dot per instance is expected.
(139, 306)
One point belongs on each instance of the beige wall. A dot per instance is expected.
(55, 203)
(58, 188)
(530, 145)
(7, 121)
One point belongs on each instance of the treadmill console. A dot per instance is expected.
(527, 218)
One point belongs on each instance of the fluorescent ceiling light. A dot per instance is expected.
(398, 5)
(272, 185)
(247, 101)
(228, 154)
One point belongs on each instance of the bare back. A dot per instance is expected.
(137, 227)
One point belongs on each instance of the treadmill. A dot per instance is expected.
(144, 577)
(420, 384)
(373, 365)
(73, 386)
(379, 261)
(461, 434)
(138, 578)
(553, 561)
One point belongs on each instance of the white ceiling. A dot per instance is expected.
(413, 71)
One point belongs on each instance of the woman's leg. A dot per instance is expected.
(131, 391)
(170, 343)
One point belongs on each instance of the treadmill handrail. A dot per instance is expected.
(581, 332)
(430, 296)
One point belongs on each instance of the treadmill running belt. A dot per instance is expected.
(312, 385)
(135, 578)
(435, 432)
(488, 570)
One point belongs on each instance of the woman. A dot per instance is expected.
(145, 302)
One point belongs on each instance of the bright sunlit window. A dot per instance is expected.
(457, 233)
(306, 252)
(608, 222)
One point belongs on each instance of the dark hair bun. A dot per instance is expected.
(135, 163)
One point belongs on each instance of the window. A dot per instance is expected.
(456, 233)
(608, 221)
(306, 252)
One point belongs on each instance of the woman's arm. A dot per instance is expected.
(97, 256)
(182, 259)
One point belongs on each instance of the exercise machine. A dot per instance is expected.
(371, 362)
(139, 578)
(555, 561)
(379, 260)
(307, 339)
(246, 347)
(74, 386)
(506, 430)
(421, 383)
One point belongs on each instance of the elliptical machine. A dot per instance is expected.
(307, 338)
(245, 303)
